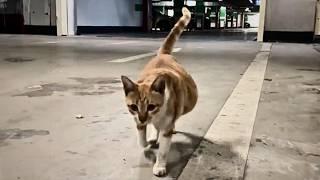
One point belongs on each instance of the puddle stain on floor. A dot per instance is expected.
(18, 59)
(312, 86)
(309, 69)
(315, 82)
(17, 134)
(83, 87)
(97, 80)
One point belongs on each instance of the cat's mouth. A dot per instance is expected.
(144, 123)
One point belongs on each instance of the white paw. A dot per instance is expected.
(159, 170)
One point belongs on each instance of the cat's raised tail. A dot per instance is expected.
(175, 32)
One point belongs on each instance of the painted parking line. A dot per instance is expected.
(140, 56)
(226, 144)
(266, 47)
(124, 42)
(43, 42)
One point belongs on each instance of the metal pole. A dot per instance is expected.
(146, 15)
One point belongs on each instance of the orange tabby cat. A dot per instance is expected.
(163, 93)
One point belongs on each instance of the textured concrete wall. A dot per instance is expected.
(290, 15)
(108, 13)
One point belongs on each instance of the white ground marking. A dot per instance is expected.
(176, 49)
(266, 47)
(44, 42)
(235, 121)
(140, 56)
(124, 42)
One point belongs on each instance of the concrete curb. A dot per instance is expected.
(223, 151)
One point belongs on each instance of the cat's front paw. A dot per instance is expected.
(159, 170)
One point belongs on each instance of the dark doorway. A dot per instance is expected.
(11, 16)
(28, 16)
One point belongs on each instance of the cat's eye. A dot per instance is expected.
(151, 107)
(133, 107)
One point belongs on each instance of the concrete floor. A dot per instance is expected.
(47, 81)
(286, 140)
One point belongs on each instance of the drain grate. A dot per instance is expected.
(18, 59)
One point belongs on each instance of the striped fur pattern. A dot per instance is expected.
(163, 93)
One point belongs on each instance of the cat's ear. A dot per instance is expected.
(128, 85)
(159, 85)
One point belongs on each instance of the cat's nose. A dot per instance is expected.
(143, 118)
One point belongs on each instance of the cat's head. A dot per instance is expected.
(144, 101)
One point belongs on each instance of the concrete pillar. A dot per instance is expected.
(72, 17)
(232, 20)
(263, 5)
(317, 25)
(217, 18)
(65, 12)
(62, 17)
(237, 20)
(147, 15)
(242, 19)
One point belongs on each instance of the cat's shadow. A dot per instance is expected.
(180, 153)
